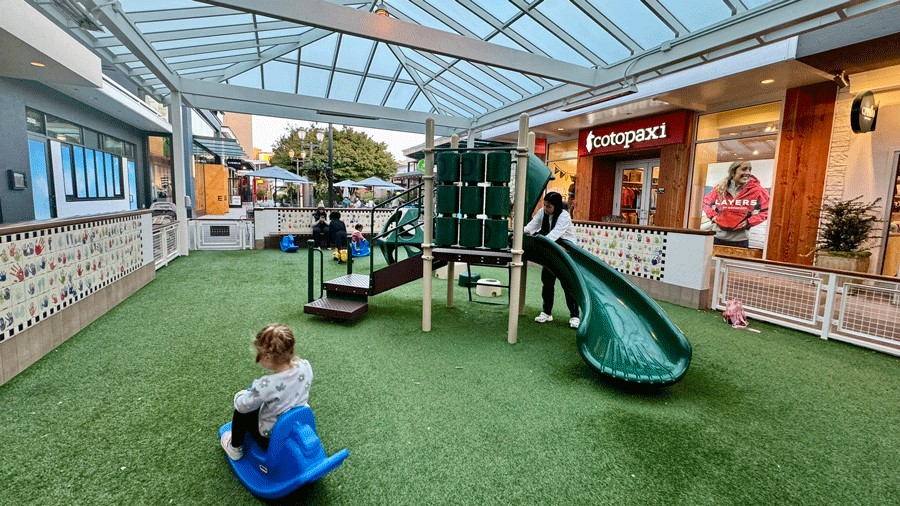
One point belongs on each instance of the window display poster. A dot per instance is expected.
(763, 171)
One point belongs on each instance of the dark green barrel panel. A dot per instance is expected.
(447, 167)
(470, 230)
(472, 200)
(447, 199)
(445, 230)
(496, 234)
(499, 166)
(472, 167)
(496, 201)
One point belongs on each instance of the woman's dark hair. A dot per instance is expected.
(334, 215)
(556, 200)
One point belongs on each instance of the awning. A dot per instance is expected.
(223, 147)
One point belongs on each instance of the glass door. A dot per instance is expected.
(41, 180)
(637, 182)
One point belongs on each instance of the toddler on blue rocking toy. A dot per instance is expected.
(282, 451)
(358, 243)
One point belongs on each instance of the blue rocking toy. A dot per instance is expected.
(295, 457)
(361, 249)
(287, 244)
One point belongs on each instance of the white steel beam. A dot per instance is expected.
(417, 78)
(225, 97)
(117, 23)
(666, 17)
(323, 14)
(610, 27)
(558, 31)
(178, 14)
(751, 25)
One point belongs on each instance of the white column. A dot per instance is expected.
(515, 275)
(178, 155)
(428, 224)
(451, 267)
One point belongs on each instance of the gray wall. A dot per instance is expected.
(15, 96)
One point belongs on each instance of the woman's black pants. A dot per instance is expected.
(548, 280)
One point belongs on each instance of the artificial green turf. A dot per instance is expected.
(126, 412)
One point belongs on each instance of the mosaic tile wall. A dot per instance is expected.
(640, 253)
(301, 220)
(44, 271)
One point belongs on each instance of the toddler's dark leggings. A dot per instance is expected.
(247, 423)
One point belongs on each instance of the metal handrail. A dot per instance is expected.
(310, 276)
(416, 202)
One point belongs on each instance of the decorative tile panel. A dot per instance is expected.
(637, 252)
(300, 221)
(45, 271)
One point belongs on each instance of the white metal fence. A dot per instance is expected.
(224, 234)
(165, 244)
(859, 309)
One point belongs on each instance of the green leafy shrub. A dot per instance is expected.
(846, 224)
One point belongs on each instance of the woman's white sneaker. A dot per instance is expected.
(543, 318)
(574, 322)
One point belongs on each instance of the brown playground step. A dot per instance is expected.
(357, 284)
(339, 309)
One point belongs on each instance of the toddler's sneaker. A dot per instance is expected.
(232, 452)
(574, 322)
(543, 318)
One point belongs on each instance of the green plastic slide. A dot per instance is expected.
(623, 333)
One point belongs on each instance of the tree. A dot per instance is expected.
(356, 156)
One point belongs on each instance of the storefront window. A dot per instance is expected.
(63, 130)
(746, 136)
(34, 121)
(562, 158)
(162, 168)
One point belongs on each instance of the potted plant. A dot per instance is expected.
(260, 194)
(845, 226)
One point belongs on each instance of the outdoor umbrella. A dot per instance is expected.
(377, 182)
(277, 173)
(348, 184)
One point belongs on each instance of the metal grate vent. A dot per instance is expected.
(220, 231)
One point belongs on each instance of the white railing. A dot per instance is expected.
(221, 234)
(856, 308)
(165, 244)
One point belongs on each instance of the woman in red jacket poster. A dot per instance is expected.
(735, 204)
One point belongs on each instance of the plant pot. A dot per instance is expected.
(827, 260)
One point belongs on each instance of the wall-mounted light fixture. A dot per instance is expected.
(841, 79)
(380, 9)
(627, 89)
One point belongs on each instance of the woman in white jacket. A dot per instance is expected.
(553, 222)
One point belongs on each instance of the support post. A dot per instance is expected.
(181, 174)
(515, 275)
(523, 287)
(428, 225)
(329, 172)
(451, 267)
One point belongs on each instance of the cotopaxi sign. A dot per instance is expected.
(637, 134)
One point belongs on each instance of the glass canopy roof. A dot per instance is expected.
(470, 64)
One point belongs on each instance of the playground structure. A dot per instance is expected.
(295, 457)
(623, 333)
